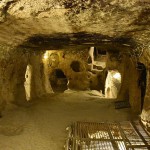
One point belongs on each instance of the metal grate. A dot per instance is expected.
(107, 136)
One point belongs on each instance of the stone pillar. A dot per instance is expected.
(37, 85)
(134, 88)
(130, 90)
(12, 75)
(145, 116)
(124, 71)
(46, 81)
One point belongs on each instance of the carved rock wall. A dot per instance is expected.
(13, 65)
(21, 19)
(124, 21)
(12, 69)
(145, 116)
(74, 66)
(130, 89)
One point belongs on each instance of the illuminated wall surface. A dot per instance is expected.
(83, 47)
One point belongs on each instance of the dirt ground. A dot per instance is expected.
(41, 124)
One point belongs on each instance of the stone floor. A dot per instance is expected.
(41, 124)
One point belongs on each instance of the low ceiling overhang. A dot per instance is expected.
(56, 24)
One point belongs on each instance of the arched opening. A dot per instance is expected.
(58, 81)
(27, 83)
(142, 81)
(112, 84)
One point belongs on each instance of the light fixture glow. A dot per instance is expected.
(45, 56)
(117, 76)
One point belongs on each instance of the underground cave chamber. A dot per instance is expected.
(68, 62)
(68, 71)
(58, 81)
(106, 74)
(111, 74)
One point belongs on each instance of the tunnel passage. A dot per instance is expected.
(142, 81)
(58, 81)
(48, 25)
(27, 83)
(97, 58)
(113, 84)
(97, 66)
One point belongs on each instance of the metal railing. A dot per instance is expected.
(107, 136)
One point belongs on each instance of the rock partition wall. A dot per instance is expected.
(75, 67)
(12, 71)
(13, 65)
(145, 116)
(130, 89)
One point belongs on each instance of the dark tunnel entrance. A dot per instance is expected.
(142, 81)
(58, 81)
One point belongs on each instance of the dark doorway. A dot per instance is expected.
(142, 81)
(58, 81)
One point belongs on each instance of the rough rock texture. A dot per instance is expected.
(13, 66)
(145, 116)
(37, 75)
(77, 76)
(57, 24)
(107, 20)
(130, 90)
(45, 122)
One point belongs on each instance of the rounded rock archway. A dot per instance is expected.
(113, 84)
(58, 81)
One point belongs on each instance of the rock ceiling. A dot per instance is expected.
(31, 23)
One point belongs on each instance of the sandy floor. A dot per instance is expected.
(41, 125)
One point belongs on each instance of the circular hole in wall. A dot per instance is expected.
(76, 66)
(58, 81)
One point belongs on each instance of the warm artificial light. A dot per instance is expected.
(45, 56)
(117, 76)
